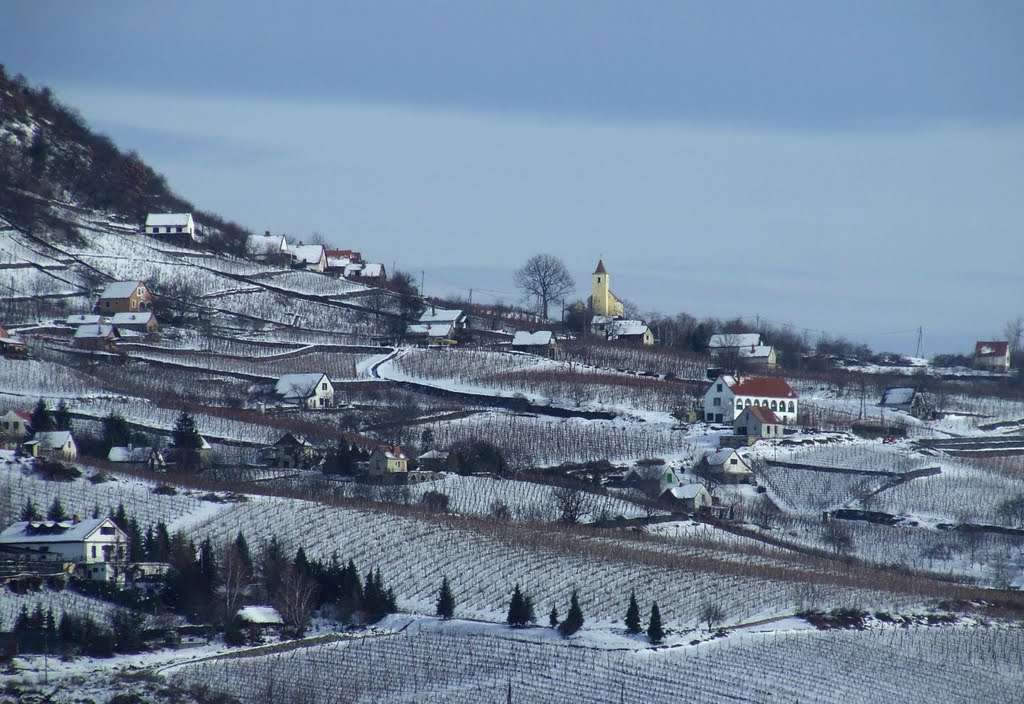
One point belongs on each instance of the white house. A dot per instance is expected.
(309, 256)
(267, 247)
(58, 444)
(95, 545)
(690, 497)
(729, 395)
(733, 340)
(309, 390)
(725, 465)
(170, 224)
(141, 321)
(148, 457)
(758, 422)
(743, 347)
(15, 425)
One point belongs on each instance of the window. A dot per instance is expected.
(716, 401)
(791, 407)
(775, 406)
(709, 417)
(94, 551)
(106, 530)
(718, 387)
(739, 405)
(734, 461)
(156, 230)
(142, 290)
(181, 229)
(106, 303)
(168, 229)
(324, 386)
(747, 402)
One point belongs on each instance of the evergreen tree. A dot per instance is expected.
(516, 607)
(29, 512)
(553, 617)
(242, 546)
(116, 432)
(633, 615)
(350, 591)
(655, 633)
(136, 544)
(445, 600)
(120, 517)
(187, 441)
(42, 418)
(528, 613)
(209, 576)
(574, 619)
(62, 416)
(56, 511)
(23, 621)
(302, 563)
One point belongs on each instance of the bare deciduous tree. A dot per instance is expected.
(544, 278)
(295, 600)
(571, 503)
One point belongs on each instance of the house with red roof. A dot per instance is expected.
(729, 395)
(993, 356)
(758, 422)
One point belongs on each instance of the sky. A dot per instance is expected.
(853, 168)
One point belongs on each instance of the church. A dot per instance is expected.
(602, 300)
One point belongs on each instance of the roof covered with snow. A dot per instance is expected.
(83, 319)
(541, 338)
(721, 456)
(267, 244)
(442, 315)
(169, 220)
(392, 452)
(755, 351)
(299, 385)
(140, 318)
(439, 329)
(121, 289)
(734, 339)
(52, 531)
(95, 331)
(52, 440)
(626, 328)
(898, 396)
(765, 387)
(686, 491)
(308, 253)
(129, 454)
(262, 615)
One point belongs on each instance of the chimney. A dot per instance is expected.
(266, 233)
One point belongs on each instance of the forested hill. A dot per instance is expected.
(48, 153)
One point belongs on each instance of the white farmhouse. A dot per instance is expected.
(95, 545)
(309, 390)
(729, 395)
(309, 256)
(171, 224)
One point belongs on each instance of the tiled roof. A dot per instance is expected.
(600, 267)
(764, 414)
(763, 386)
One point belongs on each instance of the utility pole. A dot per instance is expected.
(920, 334)
(422, 275)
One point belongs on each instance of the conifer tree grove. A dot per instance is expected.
(520, 609)
(574, 619)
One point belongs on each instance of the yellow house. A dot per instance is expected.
(124, 297)
(602, 300)
(388, 459)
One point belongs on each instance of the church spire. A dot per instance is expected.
(600, 267)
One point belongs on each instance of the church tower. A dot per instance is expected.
(602, 300)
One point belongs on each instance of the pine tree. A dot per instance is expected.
(187, 441)
(242, 547)
(62, 416)
(528, 614)
(116, 432)
(574, 619)
(654, 630)
(633, 615)
(42, 418)
(56, 511)
(517, 609)
(445, 600)
(553, 617)
(29, 512)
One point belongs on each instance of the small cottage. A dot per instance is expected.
(433, 461)
(633, 331)
(758, 422)
(142, 322)
(56, 445)
(268, 248)
(908, 399)
(387, 460)
(124, 297)
(293, 451)
(12, 346)
(171, 224)
(102, 338)
(725, 466)
(309, 256)
(992, 355)
(142, 457)
(15, 425)
(541, 342)
(692, 498)
(310, 391)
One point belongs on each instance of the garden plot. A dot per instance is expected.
(311, 284)
(18, 484)
(541, 380)
(810, 492)
(953, 496)
(540, 441)
(484, 563)
(458, 662)
(525, 501)
(872, 455)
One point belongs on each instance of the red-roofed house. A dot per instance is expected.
(758, 422)
(992, 355)
(388, 459)
(12, 345)
(729, 395)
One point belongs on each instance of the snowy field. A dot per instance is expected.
(467, 662)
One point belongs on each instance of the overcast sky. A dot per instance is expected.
(850, 167)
